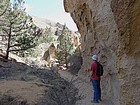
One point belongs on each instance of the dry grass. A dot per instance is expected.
(23, 91)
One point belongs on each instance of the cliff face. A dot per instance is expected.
(111, 29)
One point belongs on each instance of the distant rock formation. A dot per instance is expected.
(52, 50)
(111, 29)
(49, 55)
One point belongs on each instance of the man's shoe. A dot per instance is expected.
(100, 99)
(92, 101)
(95, 101)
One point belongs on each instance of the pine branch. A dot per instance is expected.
(19, 44)
(6, 31)
(21, 49)
(5, 10)
(4, 35)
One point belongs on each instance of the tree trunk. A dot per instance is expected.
(66, 62)
(9, 41)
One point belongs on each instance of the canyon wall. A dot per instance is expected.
(111, 29)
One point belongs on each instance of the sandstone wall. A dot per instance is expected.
(111, 29)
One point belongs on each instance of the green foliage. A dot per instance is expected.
(3, 6)
(65, 46)
(18, 28)
(46, 37)
(32, 53)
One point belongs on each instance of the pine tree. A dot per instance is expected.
(4, 4)
(46, 36)
(18, 28)
(65, 46)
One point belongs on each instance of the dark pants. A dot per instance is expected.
(97, 90)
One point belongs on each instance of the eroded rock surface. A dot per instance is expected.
(111, 29)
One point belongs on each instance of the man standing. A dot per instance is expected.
(95, 80)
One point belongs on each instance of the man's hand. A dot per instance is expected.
(110, 73)
(87, 70)
(90, 79)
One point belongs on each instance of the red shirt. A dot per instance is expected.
(94, 70)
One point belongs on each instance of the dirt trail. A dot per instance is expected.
(84, 88)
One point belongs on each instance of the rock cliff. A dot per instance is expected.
(111, 29)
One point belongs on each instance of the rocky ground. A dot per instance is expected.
(24, 85)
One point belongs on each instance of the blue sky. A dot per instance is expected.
(50, 9)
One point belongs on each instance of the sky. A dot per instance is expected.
(50, 9)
